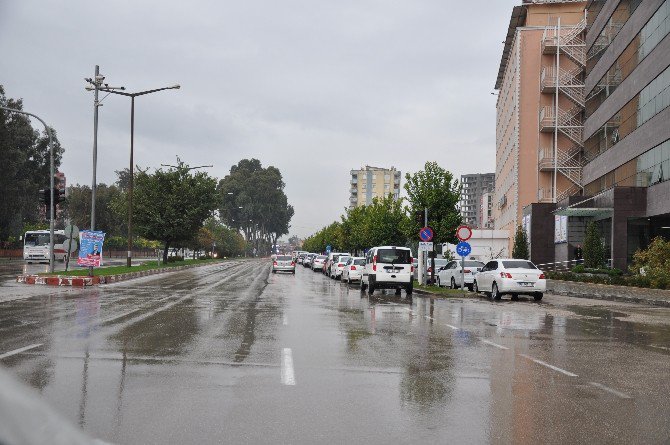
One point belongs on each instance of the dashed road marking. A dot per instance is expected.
(660, 347)
(493, 344)
(285, 320)
(555, 368)
(20, 350)
(428, 317)
(610, 390)
(287, 374)
(455, 328)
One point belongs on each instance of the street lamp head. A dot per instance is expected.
(89, 88)
(176, 86)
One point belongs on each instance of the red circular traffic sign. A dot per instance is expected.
(426, 234)
(463, 233)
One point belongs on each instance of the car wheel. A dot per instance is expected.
(362, 285)
(439, 284)
(495, 293)
(274, 271)
(538, 296)
(515, 297)
(475, 288)
(452, 285)
(371, 287)
(470, 287)
(410, 289)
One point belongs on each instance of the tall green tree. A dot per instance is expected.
(520, 249)
(25, 155)
(594, 248)
(110, 208)
(171, 205)
(436, 189)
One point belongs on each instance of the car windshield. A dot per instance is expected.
(472, 264)
(343, 259)
(360, 262)
(518, 264)
(395, 256)
(37, 239)
(440, 262)
(284, 258)
(321, 257)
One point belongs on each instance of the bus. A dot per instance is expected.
(36, 246)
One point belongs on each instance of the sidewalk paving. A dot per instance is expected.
(626, 294)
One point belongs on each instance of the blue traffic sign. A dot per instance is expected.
(426, 234)
(328, 249)
(463, 248)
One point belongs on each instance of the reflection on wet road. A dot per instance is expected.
(231, 353)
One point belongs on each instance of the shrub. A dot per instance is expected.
(653, 263)
(175, 258)
(520, 249)
(579, 268)
(594, 250)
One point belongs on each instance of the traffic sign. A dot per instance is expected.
(425, 246)
(328, 248)
(463, 233)
(71, 231)
(426, 234)
(463, 249)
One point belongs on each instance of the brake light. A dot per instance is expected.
(274, 263)
(340, 265)
(353, 268)
(429, 270)
(292, 263)
(505, 275)
(467, 271)
(411, 269)
(374, 263)
(542, 277)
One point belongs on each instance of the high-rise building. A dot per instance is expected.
(373, 182)
(486, 211)
(539, 108)
(473, 187)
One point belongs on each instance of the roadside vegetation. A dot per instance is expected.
(149, 265)
(445, 291)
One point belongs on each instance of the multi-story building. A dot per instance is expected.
(373, 182)
(486, 213)
(539, 108)
(473, 187)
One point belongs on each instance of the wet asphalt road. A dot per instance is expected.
(233, 354)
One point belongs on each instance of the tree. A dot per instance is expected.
(654, 263)
(436, 189)
(171, 205)
(520, 249)
(25, 155)
(110, 208)
(594, 249)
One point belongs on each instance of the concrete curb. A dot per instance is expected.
(92, 281)
(608, 292)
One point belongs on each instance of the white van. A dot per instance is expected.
(388, 267)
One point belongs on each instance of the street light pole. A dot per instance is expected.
(52, 169)
(132, 163)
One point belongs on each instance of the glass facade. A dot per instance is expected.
(644, 42)
(614, 24)
(651, 167)
(653, 98)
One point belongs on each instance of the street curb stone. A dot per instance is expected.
(92, 281)
(625, 294)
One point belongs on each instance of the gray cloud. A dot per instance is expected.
(313, 87)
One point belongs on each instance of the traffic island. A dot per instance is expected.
(108, 275)
(442, 292)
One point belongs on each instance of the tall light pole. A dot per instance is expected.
(132, 168)
(52, 169)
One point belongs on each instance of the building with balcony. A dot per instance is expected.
(369, 182)
(539, 108)
(473, 187)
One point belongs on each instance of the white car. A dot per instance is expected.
(450, 275)
(510, 276)
(388, 267)
(338, 266)
(317, 263)
(353, 269)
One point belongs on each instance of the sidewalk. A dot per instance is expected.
(626, 294)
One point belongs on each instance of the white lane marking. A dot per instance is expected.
(555, 368)
(493, 344)
(20, 350)
(610, 390)
(455, 328)
(285, 320)
(660, 347)
(287, 375)
(428, 317)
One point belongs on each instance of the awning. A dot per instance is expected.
(595, 212)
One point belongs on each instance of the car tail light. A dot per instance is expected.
(274, 263)
(411, 269)
(467, 271)
(292, 263)
(352, 268)
(505, 275)
(429, 270)
(541, 277)
(340, 265)
(374, 263)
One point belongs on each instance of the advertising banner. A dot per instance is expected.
(90, 248)
(560, 229)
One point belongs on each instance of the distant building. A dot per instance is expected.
(373, 182)
(485, 215)
(473, 188)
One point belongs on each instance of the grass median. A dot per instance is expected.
(117, 270)
(445, 291)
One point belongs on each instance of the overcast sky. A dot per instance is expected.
(313, 87)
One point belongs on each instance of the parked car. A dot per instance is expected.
(307, 261)
(439, 262)
(338, 266)
(317, 263)
(283, 263)
(510, 276)
(332, 256)
(388, 267)
(450, 274)
(353, 269)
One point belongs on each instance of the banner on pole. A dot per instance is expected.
(90, 248)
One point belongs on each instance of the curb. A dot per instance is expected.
(92, 281)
